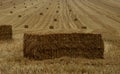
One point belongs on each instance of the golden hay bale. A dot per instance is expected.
(5, 32)
(50, 46)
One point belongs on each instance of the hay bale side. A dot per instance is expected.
(5, 32)
(59, 45)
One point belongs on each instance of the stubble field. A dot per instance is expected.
(98, 16)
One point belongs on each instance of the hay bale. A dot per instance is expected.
(41, 13)
(11, 12)
(25, 6)
(5, 32)
(48, 46)
(75, 19)
(19, 16)
(84, 27)
(55, 19)
(35, 7)
(57, 11)
(70, 10)
(14, 7)
(51, 27)
(25, 26)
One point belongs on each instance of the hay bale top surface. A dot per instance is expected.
(79, 38)
(5, 25)
(49, 32)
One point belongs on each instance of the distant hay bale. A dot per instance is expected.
(70, 10)
(41, 13)
(11, 12)
(51, 27)
(84, 27)
(5, 32)
(55, 20)
(25, 26)
(25, 6)
(35, 7)
(14, 7)
(14, 4)
(47, 8)
(75, 19)
(49, 46)
(19, 16)
(57, 11)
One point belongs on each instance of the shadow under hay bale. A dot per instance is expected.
(51, 46)
(5, 32)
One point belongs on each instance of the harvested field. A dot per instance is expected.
(87, 16)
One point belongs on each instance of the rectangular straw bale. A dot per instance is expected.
(5, 32)
(50, 46)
